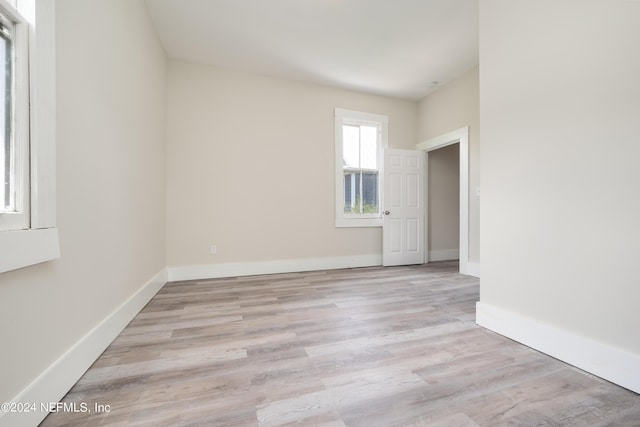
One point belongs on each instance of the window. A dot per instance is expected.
(14, 121)
(28, 233)
(360, 142)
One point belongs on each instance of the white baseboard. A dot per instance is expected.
(58, 378)
(603, 360)
(473, 269)
(214, 271)
(444, 255)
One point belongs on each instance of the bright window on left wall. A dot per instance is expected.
(14, 120)
(28, 232)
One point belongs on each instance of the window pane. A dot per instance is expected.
(370, 192)
(360, 152)
(6, 196)
(360, 197)
(351, 192)
(368, 147)
(351, 146)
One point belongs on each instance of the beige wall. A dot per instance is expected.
(451, 107)
(110, 196)
(251, 167)
(444, 202)
(560, 149)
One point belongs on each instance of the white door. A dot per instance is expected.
(403, 229)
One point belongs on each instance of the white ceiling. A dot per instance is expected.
(387, 47)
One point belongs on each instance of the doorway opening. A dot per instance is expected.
(459, 137)
(443, 228)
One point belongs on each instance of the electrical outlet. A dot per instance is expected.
(214, 249)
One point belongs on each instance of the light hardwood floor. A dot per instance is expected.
(363, 347)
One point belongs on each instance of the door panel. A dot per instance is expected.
(412, 235)
(395, 191)
(413, 199)
(403, 227)
(395, 243)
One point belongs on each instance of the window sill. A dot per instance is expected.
(23, 248)
(358, 222)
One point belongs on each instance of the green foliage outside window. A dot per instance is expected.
(368, 208)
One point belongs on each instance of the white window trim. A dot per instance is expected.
(19, 219)
(39, 243)
(343, 116)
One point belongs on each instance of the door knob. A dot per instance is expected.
(387, 212)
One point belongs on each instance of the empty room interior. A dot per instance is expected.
(323, 212)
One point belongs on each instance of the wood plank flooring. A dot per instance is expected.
(362, 347)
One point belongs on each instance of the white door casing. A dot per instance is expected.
(460, 136)
(403, 212)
